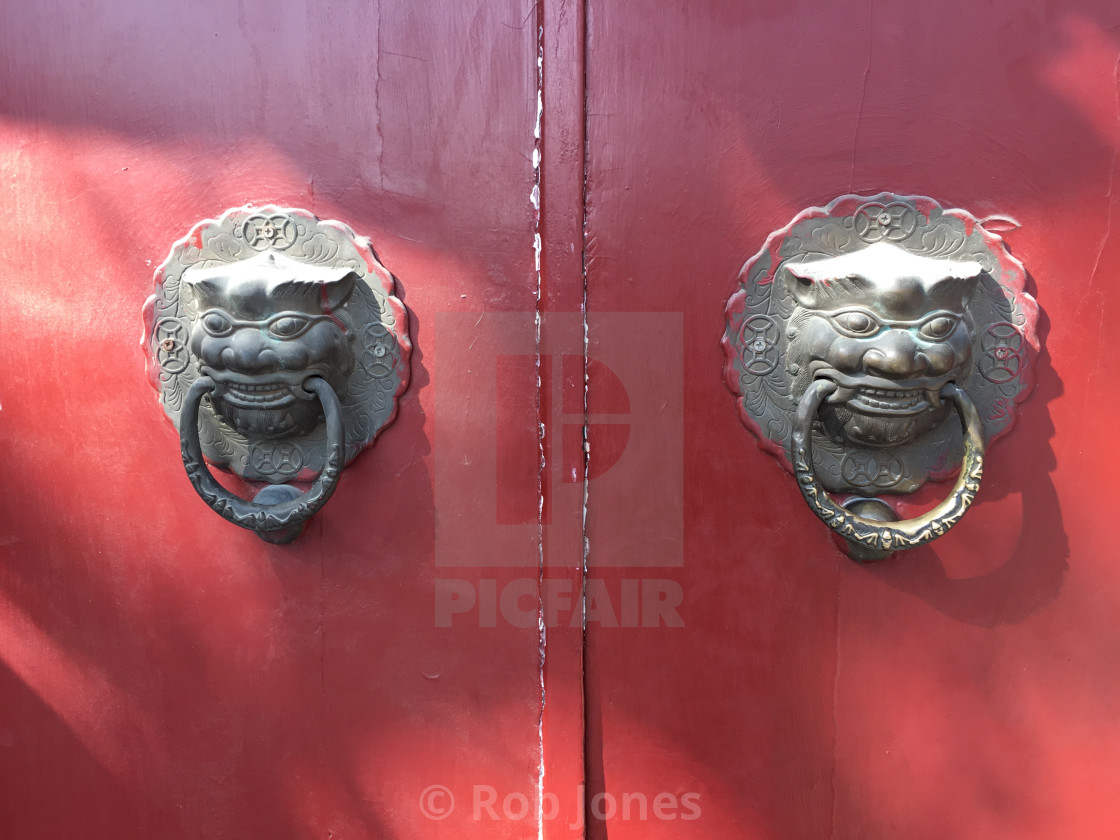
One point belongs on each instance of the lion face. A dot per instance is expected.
(890, 329)
(263, 327)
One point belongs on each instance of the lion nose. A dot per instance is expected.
(895, 356)
(249, 351)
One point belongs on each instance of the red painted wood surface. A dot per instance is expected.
(967, 690)
(164, 674)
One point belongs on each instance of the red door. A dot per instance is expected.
(965, 689)
(565, 593)
(165, 674)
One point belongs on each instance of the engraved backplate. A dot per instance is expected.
(376, 324)
(763, 317)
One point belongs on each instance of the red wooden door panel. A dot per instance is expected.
(414, 666)
(165, 674)
(965, 689)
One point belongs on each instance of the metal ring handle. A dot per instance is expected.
(906, 533)
(255, 517)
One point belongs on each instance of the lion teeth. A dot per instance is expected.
(889, 392)
(891, 399)
(259, 387)
(259, 395)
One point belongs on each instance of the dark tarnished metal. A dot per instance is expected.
(266, 309)
(877, 538)
(276, 519)
(849, 328)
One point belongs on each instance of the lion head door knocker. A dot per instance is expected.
(278, 351)
(859, 332)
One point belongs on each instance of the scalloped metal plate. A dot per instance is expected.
(382, 346)
(756, 337)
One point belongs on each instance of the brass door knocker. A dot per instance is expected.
(856, 333)
(279, 351)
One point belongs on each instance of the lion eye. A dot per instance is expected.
(289, 326)
(939, 327)
(216, 323)
(857, 323)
